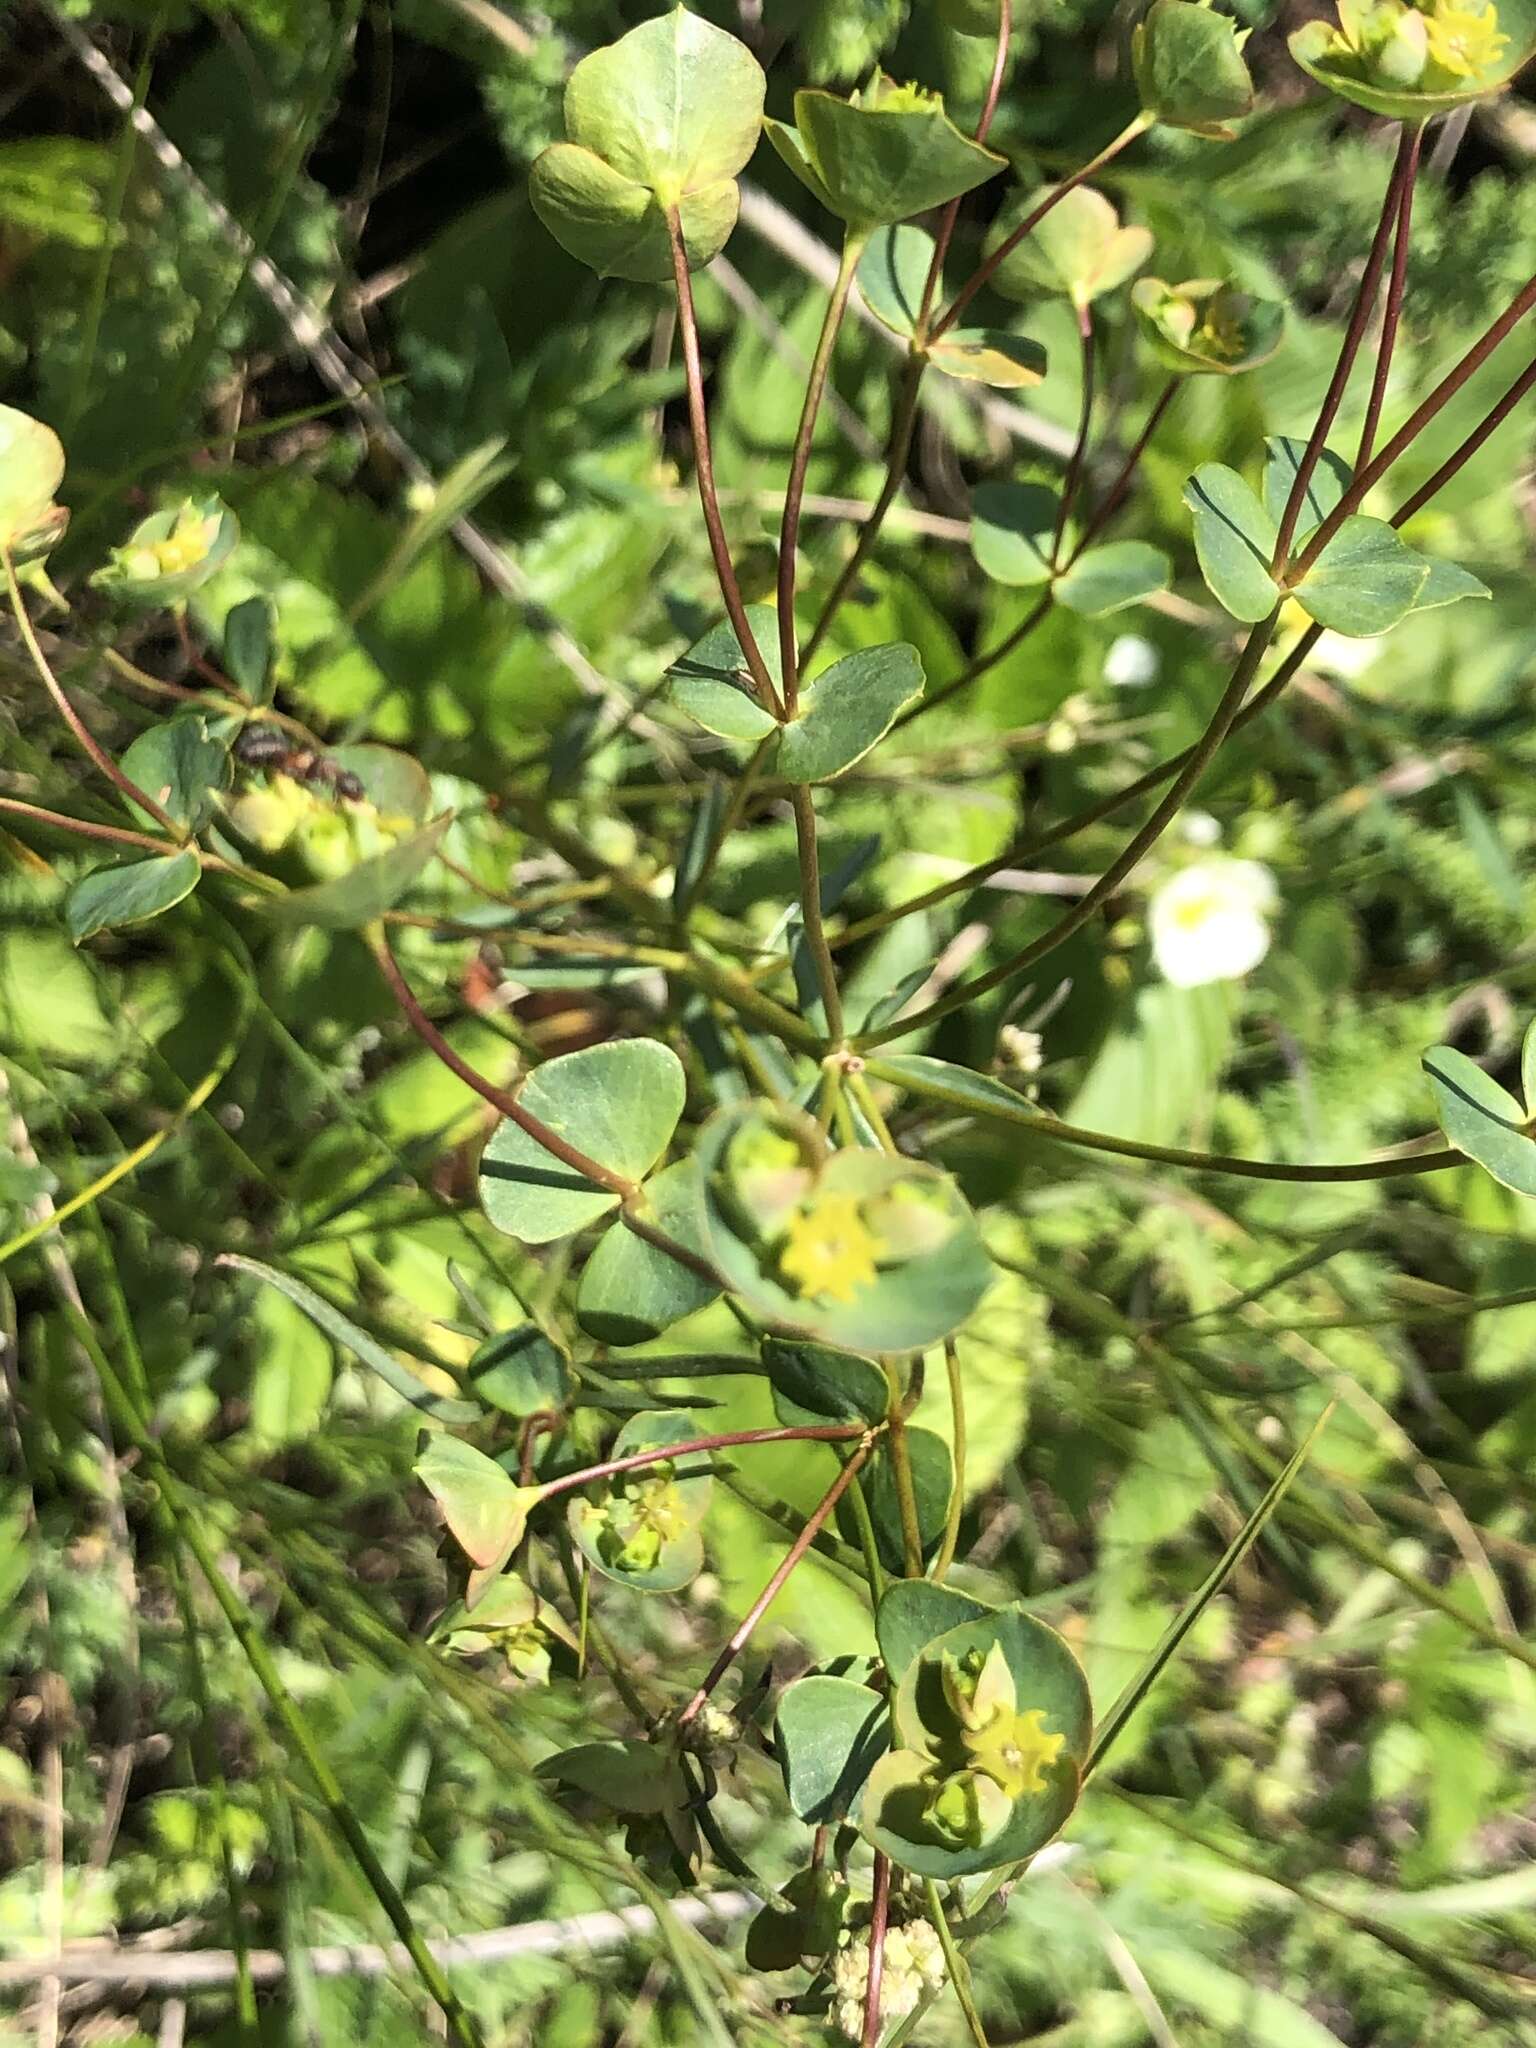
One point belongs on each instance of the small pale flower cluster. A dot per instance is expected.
(913, 1965)
(1210, 921)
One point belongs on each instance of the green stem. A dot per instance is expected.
(1084, 425)
(800, 457)
(810, 910)
(874, 1571)
(1196, 762)
(704, 470)
(951, 1538)
(901, 1473)
(954, 1962)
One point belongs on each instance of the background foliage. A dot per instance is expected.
(1319, 1829)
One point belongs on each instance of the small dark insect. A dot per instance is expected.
(264, 746)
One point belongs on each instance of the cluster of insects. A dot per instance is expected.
(264, 746)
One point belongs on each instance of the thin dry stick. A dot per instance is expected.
(775, 1585)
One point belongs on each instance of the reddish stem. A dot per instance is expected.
(1396, 284)
(775, 1585)
(1084, 422)
(1114, 497)
(610, 1468)
(951, 213)
(1469, 447)
(880, 1913)
(1349, 348)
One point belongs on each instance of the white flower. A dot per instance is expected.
(1209, 921)
(913, 1964)
(1130, 662)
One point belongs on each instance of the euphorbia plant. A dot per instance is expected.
(757, 1156)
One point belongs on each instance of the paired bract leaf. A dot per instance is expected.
(848, 709)
(618, 1103)
(31, 470)
(864, 1251)
(169, 554)
(828, 1733)
(712, 682)
(892, 274)
(912, 1612)
(641, 1529)
(131, 893)
(662, 119)
(1079, 249)
(1234, 541)
(994, 1724)
(1190, 70)
(1482, 1119)
(1206, 327)
(1329, 480)
(631, 1290)
(882, 157)
(1412, 62)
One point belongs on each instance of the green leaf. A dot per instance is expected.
(1447, 584)
(1108, 578)
(1189, 68)
(1234, 535)
(346, 1333)
(1365, 581)
(848, 709)
(618, 1103)
(364, 892)
(945, 1082)
(1079, 249)
(630, 1777)
(1528, 1068)
(676, 104)
(631, 1291)
(912, 1612)
(1325, 487)
(989, 355)
(892, 273)
(1482, 1119)
(1013, 527)
(812, 1383)
(31, 470)
(248, 647)
(484, 1508)
(1367, 76)
(132, 893)
(828, 1733)
(933, 1482)
(181, 764)
(881, 160)
(520, 1371)
(712, 682)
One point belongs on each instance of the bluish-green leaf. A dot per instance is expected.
(1012, 530)
(848, 709)
(1108, 578)
(364, 892)
(1482, 1119)
(1325, 487)
(1234, 541)
(131, 893)
(713, 684)
(1365, 580)
(632, 1290)
(828, 1733)
(182, 765)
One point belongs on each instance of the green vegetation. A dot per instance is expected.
(764, 1013)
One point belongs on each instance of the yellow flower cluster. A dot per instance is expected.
(829, 1250)
(1431, 45)
(182, 549)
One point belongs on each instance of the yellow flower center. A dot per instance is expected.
(1014, 1750)
(830, 1250)
(1465, 39)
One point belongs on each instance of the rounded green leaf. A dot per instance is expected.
(1079, 249)
(248, 647)
(912, 1612)
(883, 157)
(1108, 578)
(396, 784)
(520, 1371)
(677, 104)
(486, 1511)
(893, 272)
(1013, 528)
(1329, 480)
(1189, 68)
(1482, 1119)
(813, 1383)
(630, 1777)
(848, 709)
(1206, 326)
(1234, 541)
(374, 885)
(132, 893)
(631, 1290)
(31, 470)
(1365, 580)
(618, 1103)
(866, 1252)
(713, 684)
(183, 766)
(828, 1733)
(989, 355)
